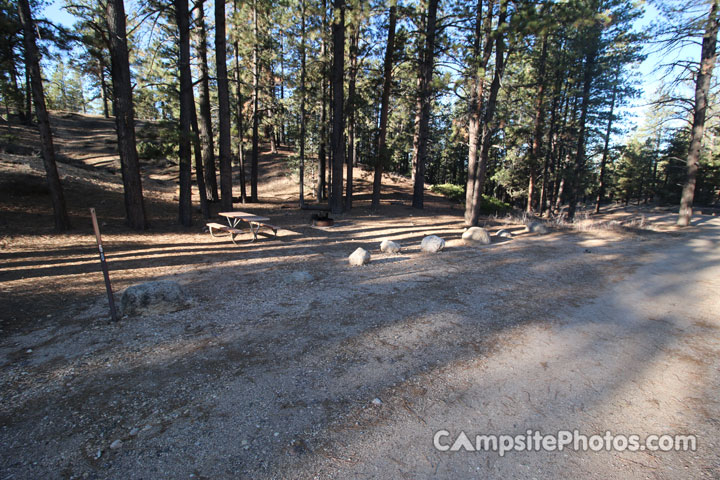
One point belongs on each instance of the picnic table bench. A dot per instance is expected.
(255, 222)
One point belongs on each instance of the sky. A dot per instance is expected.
(649, 77)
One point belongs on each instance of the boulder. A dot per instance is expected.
(432, 244)
(537, 227)
(359, 257)
(476, 236)
(388, 246)
(504, 233)
(162, 296)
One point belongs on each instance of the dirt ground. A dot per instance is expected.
(289, 363)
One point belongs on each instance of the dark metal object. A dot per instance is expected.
(103, 265)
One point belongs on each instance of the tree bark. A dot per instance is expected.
(205, 120)
(239, 117)
(702, 87)
(125, 115)
(338, 122)
(486, 137)
(322, 147)
(32, 65)
(199, 174)
(182, 21)
(606, 150)
(352, 147)
(482, 57)
(223, 107)
(575, 183)
(255, 112)
(302, 103)
(539, 124)
(382, 153)
(422, 117)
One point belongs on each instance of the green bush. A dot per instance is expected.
(158, 140)
(456, 193)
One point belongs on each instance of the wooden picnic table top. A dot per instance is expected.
(248, 217)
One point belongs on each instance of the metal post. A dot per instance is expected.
(103, 265)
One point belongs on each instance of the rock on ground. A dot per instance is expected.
(504, 233)
(162, 296)
(537, 227)
(432, 244)
(476, 236)
(359, 257)
(388, 246)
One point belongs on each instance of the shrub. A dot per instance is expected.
(456, 193)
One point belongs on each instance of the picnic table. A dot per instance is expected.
(235, 219)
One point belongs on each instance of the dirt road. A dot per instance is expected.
(300, 366)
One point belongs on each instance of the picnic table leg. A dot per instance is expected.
(254, 230)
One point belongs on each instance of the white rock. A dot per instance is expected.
(504, 233)
(359, 257)
(116, 444)
(377, 401)
(432, 244)
(388, 246)
(476, 235)
(537, 227)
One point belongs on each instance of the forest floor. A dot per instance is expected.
(289, 363)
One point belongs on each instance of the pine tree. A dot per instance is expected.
(124, 115)
(32, 64)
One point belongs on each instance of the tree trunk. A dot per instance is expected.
(239, 117)
(302, 103)
(352, 148)
(199, 174)
(32, 65)
(28, 98)
(702, 88)
(125, 115)
(255, 112)
(338, 121)
(223, 107)
(422, 117)
(486, 137)
(539, 124)
(577, 171)
(548, 164)
(205, 120)
(482, 57)
(103, 89)
(606, 150)
(382, 153)
(322, 147)
(186, 104)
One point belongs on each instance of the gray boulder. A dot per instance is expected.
(388, 246)
(537, 227)
(432, 244)
(476, 236)
(504, 233)
(162, 296)
(359, 257)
